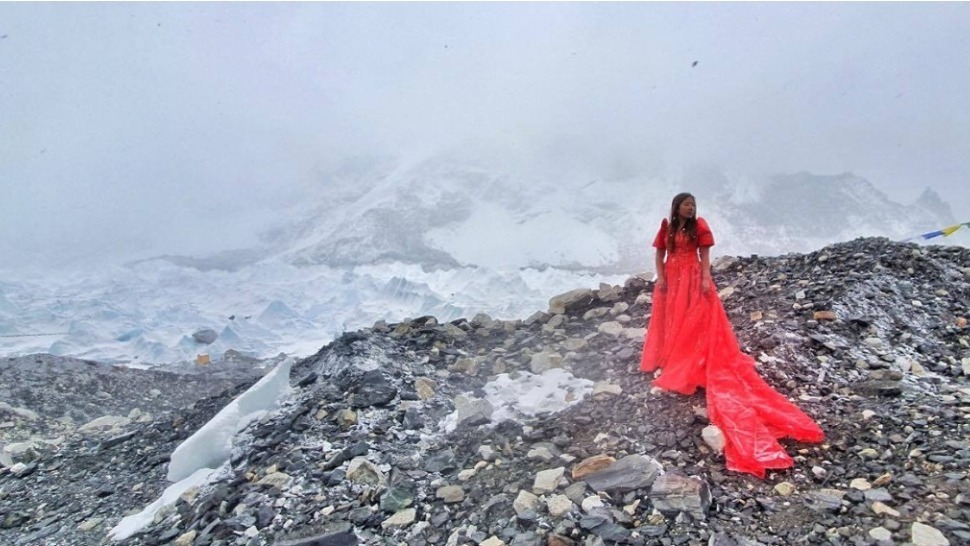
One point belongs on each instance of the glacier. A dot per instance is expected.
(144, 315)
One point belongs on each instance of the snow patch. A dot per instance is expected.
(211, 446)
(552, 238)
(204, 456)
(132, 524)
(522, 395)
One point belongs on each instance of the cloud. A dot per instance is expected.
(142, 128)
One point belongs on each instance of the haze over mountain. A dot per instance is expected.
(317, 167)
(447, 211)
(448, 236)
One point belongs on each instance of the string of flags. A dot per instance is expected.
(945, 232)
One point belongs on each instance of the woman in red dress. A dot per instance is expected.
(692, 341)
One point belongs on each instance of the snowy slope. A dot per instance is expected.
(448, 210)
(801, 212)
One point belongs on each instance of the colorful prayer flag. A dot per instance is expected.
(945, 232)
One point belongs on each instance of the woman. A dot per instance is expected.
(692, 342)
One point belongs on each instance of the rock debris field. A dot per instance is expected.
(533, 432)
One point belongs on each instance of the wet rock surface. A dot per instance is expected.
(864, 336)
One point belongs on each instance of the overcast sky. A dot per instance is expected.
(134, 128)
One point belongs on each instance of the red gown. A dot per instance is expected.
(692, 341)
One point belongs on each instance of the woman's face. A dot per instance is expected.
(687, 208)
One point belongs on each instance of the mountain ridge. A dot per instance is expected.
(440, 213)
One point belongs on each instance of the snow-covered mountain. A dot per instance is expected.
(446, 210)
(799, 212)
(445, 236)
(449, 211)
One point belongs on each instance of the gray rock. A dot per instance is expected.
(879, 494)
(400, 519)
(611, 328)
(879, 388)
(925, 535)
(398, 497)
(537, 317)
(547, 481)
(826, 500)
(450, 494)
(373, 389)
(482, 320)
(608, 293)
(205, 336)
(570, 300)
(525, 502)
(721, 539)
(627, 474)
(543, 361)
(441, 462)
(674, 492)
(473, 411)
(363, 471)
(612, 532)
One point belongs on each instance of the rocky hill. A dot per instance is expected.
(44, 399)
(400, 433)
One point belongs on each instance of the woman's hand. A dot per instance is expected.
(705, 284)
(661, 283)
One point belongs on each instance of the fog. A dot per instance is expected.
(132, 129)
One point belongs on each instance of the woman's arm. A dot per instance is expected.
(658, 262)
(705, 252)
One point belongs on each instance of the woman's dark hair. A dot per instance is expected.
(689, 225)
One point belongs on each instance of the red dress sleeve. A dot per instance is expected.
(704, 235)
(660, 241)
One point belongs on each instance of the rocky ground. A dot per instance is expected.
(44, 399)
(869, 337)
